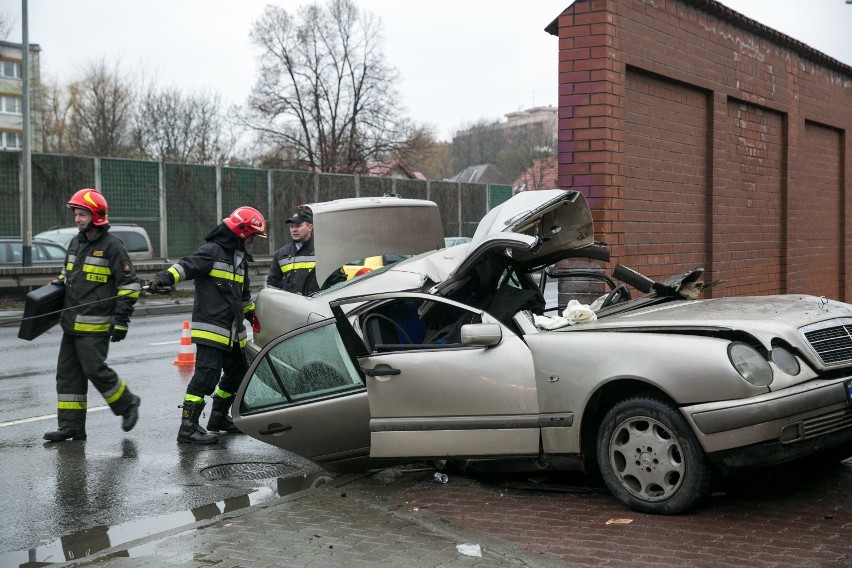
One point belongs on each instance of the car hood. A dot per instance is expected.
(537, 228)
(350, 229)
(764, 317)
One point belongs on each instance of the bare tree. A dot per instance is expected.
(100, 109)
(171, 126)
(5, 27)
(324, 90)
(512, 150)
(480, 142)
(433, 160)
(526, 146)
(55, 112)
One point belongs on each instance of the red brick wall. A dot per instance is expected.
(704, 139)
(748, 228)
(665, 180)
(816, 229)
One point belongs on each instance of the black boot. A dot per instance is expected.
(190, 432)
(131, 415)
(65, 433)
(219, 419)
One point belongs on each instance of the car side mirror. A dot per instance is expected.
(481, 334)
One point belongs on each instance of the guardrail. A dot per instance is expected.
(16, 277)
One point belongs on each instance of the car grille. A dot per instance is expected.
(832, 344)
(826, 424)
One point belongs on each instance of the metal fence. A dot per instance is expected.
(179, 203)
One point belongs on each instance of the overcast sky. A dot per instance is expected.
(460, 60)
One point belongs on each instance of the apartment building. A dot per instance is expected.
(11, 97)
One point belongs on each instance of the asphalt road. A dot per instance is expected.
(75, 497)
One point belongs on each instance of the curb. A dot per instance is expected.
(12, 318)
(117, 550)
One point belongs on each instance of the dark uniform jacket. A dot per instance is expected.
(222, 295)
(293, 270)
(100, 284)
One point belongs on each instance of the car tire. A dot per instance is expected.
(650, 459)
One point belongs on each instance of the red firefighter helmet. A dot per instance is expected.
(245, 221)
(92, 200)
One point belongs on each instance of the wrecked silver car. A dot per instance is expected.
(454, 354)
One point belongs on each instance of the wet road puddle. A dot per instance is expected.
(96, 539)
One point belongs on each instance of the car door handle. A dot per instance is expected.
(381, 372)
(275, 429)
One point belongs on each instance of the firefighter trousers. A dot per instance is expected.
(210, 362)
(82, 358)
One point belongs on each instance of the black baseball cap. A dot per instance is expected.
(301, 217)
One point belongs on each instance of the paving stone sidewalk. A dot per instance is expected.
(351, 522)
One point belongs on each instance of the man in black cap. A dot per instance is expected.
(293, 268)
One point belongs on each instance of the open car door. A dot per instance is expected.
(443, 379)
(303, 394)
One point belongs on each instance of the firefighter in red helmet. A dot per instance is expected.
(222, 300)
(101, 288)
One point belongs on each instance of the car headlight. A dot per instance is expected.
(750, 364)
(785, 361)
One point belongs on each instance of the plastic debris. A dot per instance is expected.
(619, 521)
(439, 477)
(469, 550)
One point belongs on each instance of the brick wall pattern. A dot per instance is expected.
(704, 138)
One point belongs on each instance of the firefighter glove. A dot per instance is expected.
(117, 332)
(250, 316)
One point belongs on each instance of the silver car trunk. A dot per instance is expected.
(351, 229)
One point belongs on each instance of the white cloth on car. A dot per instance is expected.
(573, 314)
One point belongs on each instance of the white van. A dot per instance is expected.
(134, 237)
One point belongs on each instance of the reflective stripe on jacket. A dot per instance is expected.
(101, 286)
(292, 270)
(222, 294)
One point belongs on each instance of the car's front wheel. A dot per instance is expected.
(650, 459)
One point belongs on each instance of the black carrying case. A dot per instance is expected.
(41, 311)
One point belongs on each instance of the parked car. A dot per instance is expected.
(43, 251)
(134, 237)
(453, 354)
(453, 241)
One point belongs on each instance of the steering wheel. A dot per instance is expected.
(619, 294)
(384, 318)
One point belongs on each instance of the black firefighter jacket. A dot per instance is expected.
(100, 285)
(222, 295)
(293, 270)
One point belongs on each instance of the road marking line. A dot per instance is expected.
(166, 343)
(45, 417)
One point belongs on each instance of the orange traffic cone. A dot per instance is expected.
(186, 354)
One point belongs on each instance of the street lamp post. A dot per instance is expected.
(26, 156)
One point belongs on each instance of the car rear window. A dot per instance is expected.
(48, 252)
(133, 241)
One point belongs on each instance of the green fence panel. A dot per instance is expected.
(411, 188)
(445, 194)
(375, 186)
(498, 194)
(10, 194)
(474, 206)
(191, 206)
(54, 180)
(289, 190)
(335, 186)
(244, 186)
(131, 188)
